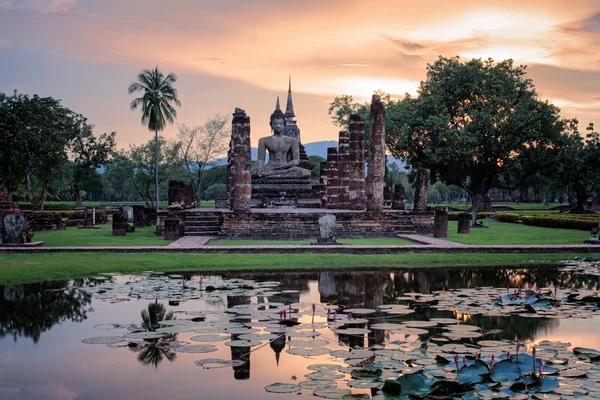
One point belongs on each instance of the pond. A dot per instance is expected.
(329, 334)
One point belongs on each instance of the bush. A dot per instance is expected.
(215, 191)
(565, 221)
(453, 215)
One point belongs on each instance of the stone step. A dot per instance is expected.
(202, 228)
(203, 221)
(207, 233)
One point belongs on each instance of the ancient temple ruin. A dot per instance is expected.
(279, 198)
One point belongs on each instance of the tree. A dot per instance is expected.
(89, 153)
(156, 103)
(476, 124)
(215, 191)
(201, 146)
(143, 170)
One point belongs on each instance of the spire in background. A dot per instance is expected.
(289, 109)
(277, 106)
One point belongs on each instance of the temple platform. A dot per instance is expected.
(301, 223)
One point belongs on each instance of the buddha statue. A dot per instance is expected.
(284, 153)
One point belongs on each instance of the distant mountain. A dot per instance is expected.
(314, 149)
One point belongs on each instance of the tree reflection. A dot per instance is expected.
(29, 310)
(154, 351)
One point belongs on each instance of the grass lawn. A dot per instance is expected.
(22, 268)
(99, 237)
(307, 242)
(508, 233)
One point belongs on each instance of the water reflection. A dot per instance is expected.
(30, 310)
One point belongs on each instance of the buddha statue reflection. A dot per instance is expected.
(284, 153)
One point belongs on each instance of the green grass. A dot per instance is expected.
(73, 237)
(509, 233)
(23, 268)
(352, 242)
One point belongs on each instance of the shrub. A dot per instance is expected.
(565, 221)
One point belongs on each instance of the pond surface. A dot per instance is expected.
(150, 336)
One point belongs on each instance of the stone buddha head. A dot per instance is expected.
(277, 121)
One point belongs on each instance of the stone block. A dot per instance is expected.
(119, 224)
(139, 217)
(399, 198)
(327, 229)
(181, 195)
(173, 228)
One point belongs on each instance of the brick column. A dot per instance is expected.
(323, 184)
(229, 191)
(332, 190)
(356, 163)
(241, 180)
(376, 170)
(421, 189)
(343, 162)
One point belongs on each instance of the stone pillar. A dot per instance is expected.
(323, 184)
(229, 189)
(376, 170)
(93, 216)
(356, 163)
(119, 224)
(440, 222)
(421, 189)
(399, 197)
(241, 180)
(139, 217)
(464, 223)
(331, 190)
(85, 217)
(343, 162)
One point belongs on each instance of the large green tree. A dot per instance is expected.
(476, 124)
(156, 103)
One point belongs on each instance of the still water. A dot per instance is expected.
(43, 326)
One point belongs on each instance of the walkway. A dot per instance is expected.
(430, 241)
(190, 242)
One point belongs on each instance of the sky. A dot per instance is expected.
(240, 53)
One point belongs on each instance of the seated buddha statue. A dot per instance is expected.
(284, 153)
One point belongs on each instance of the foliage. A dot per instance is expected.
(565, 221)
(476, 124)
(143, 171)
(201, 146)
(216, 191)
(37, 134)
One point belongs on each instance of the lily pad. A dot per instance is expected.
(211, 363)
(196, 348)
(505, 371)
(282, 388)
(332, 393)
(104, 340)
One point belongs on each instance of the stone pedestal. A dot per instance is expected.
(241, 162)
(13, 229)
(399, 197)
(464, 223)
(440, 222)
(119, 224)
(173, 228)
(421, 189)
(151, 215)
(139, 217)
(356, 163)
(181, 195)
(376, 170)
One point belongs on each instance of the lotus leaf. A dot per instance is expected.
(210, 363)
(332, 393)
(104, 340)
(318, 384)
(282, 388)
(197, 348)
(505, 371)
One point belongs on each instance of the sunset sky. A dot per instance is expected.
(239, 53)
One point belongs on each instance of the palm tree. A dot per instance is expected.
(157, 109)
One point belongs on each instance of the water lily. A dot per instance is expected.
(456, 362)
